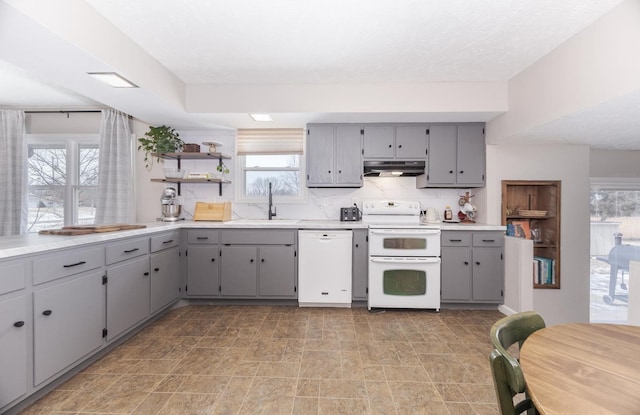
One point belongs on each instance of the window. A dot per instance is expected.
(270, 156)
(63, 180)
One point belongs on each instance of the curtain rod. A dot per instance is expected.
(60, 112)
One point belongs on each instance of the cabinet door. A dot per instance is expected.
(68, 322)
(411, 142)
(276, 275)
(456, 274)
(165, 278)
(348, 155)
(320, 151)
(379, 141)
(441, 162)
(487, 274)
(128, 295)
(202, 270)
(13, 349)
(239, 271)
(471, 155)
(360, 272)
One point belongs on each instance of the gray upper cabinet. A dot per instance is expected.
(456, 156)
(334, 155)
(388, 142)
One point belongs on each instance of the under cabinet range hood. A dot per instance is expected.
(391, 168)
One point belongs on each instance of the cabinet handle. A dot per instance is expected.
(145, 274)
(128, 251)
(477, 263)
(262, 260)
(213, 260)
(329, 171)
(356, 245)
(400, 146)
(488, 240)
(455, 240)
(339, 171)
(156, 269)
(75, 265)
(450, 171)
(47, 312)
(168, 242)
(251, 260)
(18, 324)
(390, 146)
(202, 238)
(466, 262)
(461, 171)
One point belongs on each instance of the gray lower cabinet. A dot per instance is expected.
(203, 263)
(334, 155)
(68, 323)
(472, 270)
(456, 156)
(165, 270)
(128, 295)
(14, 327)
(258, 264)
(165, 278)
(360, 273)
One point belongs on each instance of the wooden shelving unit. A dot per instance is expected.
(193, 156)
(536, 195)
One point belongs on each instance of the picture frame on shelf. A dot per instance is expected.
(521, 229)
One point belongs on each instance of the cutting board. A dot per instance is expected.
(87, 229)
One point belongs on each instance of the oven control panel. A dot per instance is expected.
(391, 207)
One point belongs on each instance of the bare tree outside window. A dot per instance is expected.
(57, 183)
(282, 171)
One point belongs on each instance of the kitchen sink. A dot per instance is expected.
(263, 222)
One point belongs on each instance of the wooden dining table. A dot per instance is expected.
(583, 368)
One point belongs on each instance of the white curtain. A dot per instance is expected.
(13, 173)
(115, 181)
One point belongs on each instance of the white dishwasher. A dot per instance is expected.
(324, 268)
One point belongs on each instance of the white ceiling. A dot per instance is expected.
(253, 42)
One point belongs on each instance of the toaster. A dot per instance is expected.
(349, 214)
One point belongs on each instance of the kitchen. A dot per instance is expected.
(520, 111)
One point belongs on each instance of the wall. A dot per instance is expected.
(570, 164)
(63, 123)
(321, 204)
(611, 163)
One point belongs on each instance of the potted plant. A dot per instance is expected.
(159, 140)
(222, 168)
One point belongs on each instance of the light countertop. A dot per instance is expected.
(14, 246)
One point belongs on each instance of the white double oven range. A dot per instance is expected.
(404, 256)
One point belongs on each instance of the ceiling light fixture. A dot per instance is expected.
(261, 117)
(112, 79)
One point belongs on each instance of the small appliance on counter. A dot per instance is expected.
(350, 214)
(169, 204)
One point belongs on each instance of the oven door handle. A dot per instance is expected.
(401, 260)
(404, 231)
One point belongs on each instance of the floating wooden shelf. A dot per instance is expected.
(193, 156)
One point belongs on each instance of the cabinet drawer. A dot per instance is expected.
(164, 241)
(13, 276)
(65, 263)
(121, 251)
(203, 236)
(450, 238)
(487, 238)
(258, 237)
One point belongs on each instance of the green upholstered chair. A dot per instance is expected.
(507, 374)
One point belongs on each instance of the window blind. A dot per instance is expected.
(270, 141)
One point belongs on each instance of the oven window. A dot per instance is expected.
(404, 243)
(404, 282)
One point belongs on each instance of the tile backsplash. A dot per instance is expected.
(320, 203)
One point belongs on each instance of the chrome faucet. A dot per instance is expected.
(272, 209)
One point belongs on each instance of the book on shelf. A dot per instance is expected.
(521, 229)
(544, 270)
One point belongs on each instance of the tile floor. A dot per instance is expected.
(287, 360)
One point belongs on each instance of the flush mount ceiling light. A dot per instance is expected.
(261, 117)
(112, 79)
